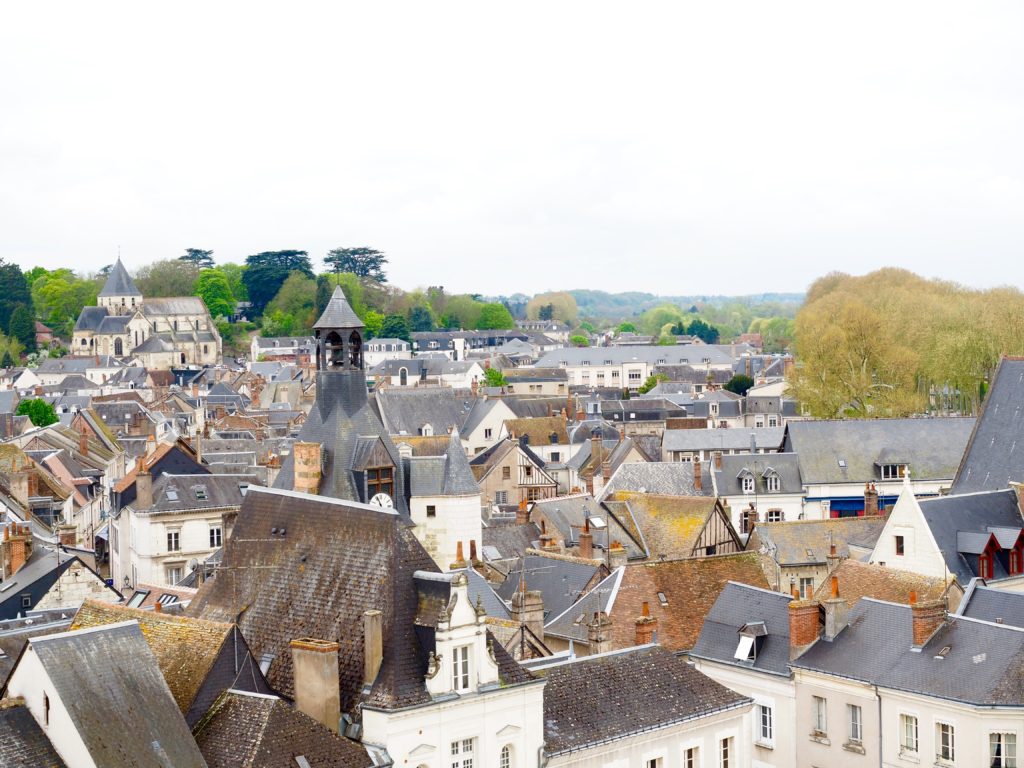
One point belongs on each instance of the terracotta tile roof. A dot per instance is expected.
(857, 580)
(265, 732)
(129, 480)
(690, 586)
(185, 648)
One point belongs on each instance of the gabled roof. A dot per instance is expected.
(338, 313)
(561, 580)
(445, 475)
(597, 699)
(119, 282)
(539, 430)
(663, 478)
(857, 580)
(723, 439)
(999, 606)
(670, 526)
(786, 466)
(802, 542)
(109, 683)
(405, 411)
(256, 731)
(990, 461)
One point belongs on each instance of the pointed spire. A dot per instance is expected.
(338, 313)
(458, 476)
(119, 282)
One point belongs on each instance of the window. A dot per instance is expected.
(380, 480)
(615, 374)
(725, 751)
(215, 537)
(634, 375)
(908, 733)
(773, 421)
(893, 471)
(505, 761)
(856, 728)
(654, 762)
(748, 484)
(46, 710)
(691, 757)
(806, 587)
(776, 516)
(772, 482)
(1002, 750)
(985, 565)
(506, 473)
(765, 731)
(532, 494)
(819, 715)
(431, 510)
(460, 668)
(945, 742)
(173, 574)
(556, 456)
(899, 545)
(173, 541)
(488, 433)
(501, 497)
(529, 470)
(26, 601)
(462, 753)
(200, 492)
(1015, 562)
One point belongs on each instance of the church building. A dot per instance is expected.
(159, 333)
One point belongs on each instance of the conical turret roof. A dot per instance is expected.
(338, 313)
(119, 282)
(458, 476)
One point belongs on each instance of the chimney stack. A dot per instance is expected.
(474, 387)
(83, 442)
(315, 671)
(528, 609)
(698, 482)
(835, 612)
(586, 541)
(15, 549)
(143, 490)
(646, 625)
(150, 445)
(373, 645)
(522, 513)
(307, 467)
(472, 551)
(927, 617)
(460, 559)
(67, 535)
(599, 633)
(803, 626)
(870, 499)
(616, 555)
(718, 459)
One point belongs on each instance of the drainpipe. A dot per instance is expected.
(881, 760)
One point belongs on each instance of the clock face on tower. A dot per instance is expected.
(382, 500)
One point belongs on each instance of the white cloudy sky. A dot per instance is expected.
(670, 147)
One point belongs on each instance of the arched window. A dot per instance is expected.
(206, 349)
(118, 347)
(83, 342)
(506, 757)
(403, 377)
(355, 343)
(335, 350)
(182, 358)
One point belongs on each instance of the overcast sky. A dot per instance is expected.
(502, 147)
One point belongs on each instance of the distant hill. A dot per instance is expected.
(617, 305)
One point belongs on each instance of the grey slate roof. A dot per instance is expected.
(785, 465)
(22, 742)
(480, 588)
(560, 581)
(990, 460)
(338, 313)
(984, 665)
(119, 282)
(931, 446)
(105, 696)
(510, 539)
(177, 493)
(689, 354)
(950, 516)
(663, 478)
(802, 542)
(406, 411)
(447, 475)
(998, 606)
(570, 624)
(91, 318)
(740, 604)
(613, 695)
(769, 438)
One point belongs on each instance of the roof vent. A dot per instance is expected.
(944, 652)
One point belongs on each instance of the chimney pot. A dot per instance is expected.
(698, 482)
(472, 551)
(460, 560)
(158, 608)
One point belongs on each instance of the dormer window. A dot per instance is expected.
(893, 471)
(460, 668)
(772, 482)
(985, 565)
(751, 638)
(747, 481)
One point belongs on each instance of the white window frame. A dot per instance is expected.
(176, 533)
(940, 757)
(505, 756)
(691, 756)
(819, 714)
(1000, 738)
(764, 727)
(216, 537)
(463, 753)
(806, 589)
(855, 723)
(726, 750)
(748, 484)
(772, 483)
(907, 719)
(460, 669)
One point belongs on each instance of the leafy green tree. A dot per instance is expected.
(587, 326)
(169, 277)
(39, 412)
(546, 312)
(324, 289)
(627, 328)
(373, 321)
(296, 299)
(579, 341)
(197, 256)
(495, 316)
(463, 312)
(233, 273)
(703, 331)
(395, 327)
(420, 319)
(652, 382)
(266, 272)
(556, 305)
(14, 290)
(363, 262)
(7, 361)
(34, 274)
(59, 297)
(740, 384)
(213, 288)
(494, 378)
(22, 327)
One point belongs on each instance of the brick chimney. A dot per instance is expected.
(15, 549)
(472, 552)
(315, 673)
(143, 490)
(835, 612)
(460, 558)
(698, 481)
(83, 442)
(927, 617)
(803, 626)
(616, 555)
(195, 389)
(718, 459)
(522, 513)
(646, 625)
(832, 559)
(599, 633)
(528, 609)
(870, 499)
(596, 449)
(474, 387)
(67, 535)
(306, 469)
(227, 525)
(150, 445)
(373, 645)
(586, 547)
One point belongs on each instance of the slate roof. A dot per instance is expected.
(338, 313)
(689, 354)
(802, 542)
(445, 475)
(103, 696)
(14, 634)
(561, 580)
(174, 305)
(22, 742)
(984, 665)
(857, 580)
(949, 516)
(571, 623)
(664, 478)
(256, 731)
(736, 606)
(596, 699)
(995, 605)
(90, 318)
(119, 282)
(405, 411)
(480, 588)
(785, 465)
(990, 460)
(510, 539)
(931, 446)
(177, 493)
(723, 439)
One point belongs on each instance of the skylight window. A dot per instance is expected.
(200, 491)
(745, 649)
(172, 494)
(842, 463)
